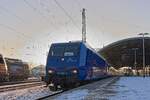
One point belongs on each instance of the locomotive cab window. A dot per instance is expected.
(57, 51)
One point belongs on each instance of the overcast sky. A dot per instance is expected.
(28, 27)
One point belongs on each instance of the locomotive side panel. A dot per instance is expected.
(95, 65)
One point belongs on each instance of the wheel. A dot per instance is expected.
(77, 84)
(42, 78)
(53, 88)
(66, 86)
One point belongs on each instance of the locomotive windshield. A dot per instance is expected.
(64, 50)
(57, 51)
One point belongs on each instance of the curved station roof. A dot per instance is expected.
(122, 53)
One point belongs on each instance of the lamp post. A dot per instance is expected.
(135, 56)
(143, 34)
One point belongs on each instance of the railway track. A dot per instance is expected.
(19, 86)
(45, 97)
(18, 82)
(59, 92)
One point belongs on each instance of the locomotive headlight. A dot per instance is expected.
(50, 71)
(74, 71)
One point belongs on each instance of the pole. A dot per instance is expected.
(83, 26)
(135, 57)
(143, 56)
(135, 62)
(143, 51)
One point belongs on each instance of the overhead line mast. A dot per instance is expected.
(83, 26)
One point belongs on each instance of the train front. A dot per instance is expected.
(62, 65)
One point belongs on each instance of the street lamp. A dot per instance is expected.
(135, 62)
(143, 34)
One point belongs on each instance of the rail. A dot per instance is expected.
(59, 92)
(19, 86)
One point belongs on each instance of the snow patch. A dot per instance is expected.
(132, 88)
(74, 95)
(26, 94)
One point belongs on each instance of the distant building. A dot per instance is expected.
(38, 71)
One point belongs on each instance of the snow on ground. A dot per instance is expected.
(74, 95)
(93, 91)
(132, 88)
(126, 88)
(26, 94)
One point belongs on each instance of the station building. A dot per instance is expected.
(122, 53)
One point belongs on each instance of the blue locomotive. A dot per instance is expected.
(72, 63)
